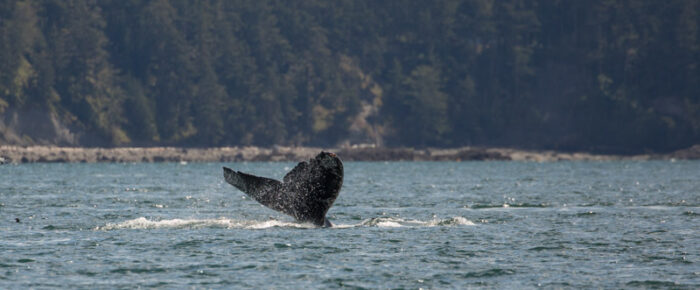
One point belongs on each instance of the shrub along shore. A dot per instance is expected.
(18, 154)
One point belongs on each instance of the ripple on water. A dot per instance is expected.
(547, 248)
(494, 272)
(483, 224)
(137, 270)
(652, 284)
(510, 205)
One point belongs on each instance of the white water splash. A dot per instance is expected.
(276, 223)
(395, 222)
(388, 224)
(144, 223)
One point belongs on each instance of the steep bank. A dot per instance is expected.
(17, 154)
(319, 73)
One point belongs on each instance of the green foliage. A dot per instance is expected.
(426, 107)
(3, 105)
(611, 76)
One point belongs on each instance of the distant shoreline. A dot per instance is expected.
(34, 154)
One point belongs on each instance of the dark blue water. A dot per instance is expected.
(399, 225)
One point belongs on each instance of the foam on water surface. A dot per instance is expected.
(144, 223)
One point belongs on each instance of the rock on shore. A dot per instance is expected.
(17, 154)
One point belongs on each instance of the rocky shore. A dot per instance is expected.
(18, 154)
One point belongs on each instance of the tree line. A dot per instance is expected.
(600, 75)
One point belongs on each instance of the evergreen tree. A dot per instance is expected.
(605, 76)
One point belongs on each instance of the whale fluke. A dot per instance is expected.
(306, 193)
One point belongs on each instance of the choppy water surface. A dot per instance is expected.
(399, 224)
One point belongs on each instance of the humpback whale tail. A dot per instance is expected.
(306, 193)
(252, 185)
(264, 190)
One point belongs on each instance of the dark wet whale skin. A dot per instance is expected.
(306, 193)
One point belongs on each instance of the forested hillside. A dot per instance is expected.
(599, 75)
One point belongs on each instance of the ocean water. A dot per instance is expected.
(398, 225)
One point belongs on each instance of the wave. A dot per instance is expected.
(144, 223)
(510, 205)
(399, 222)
